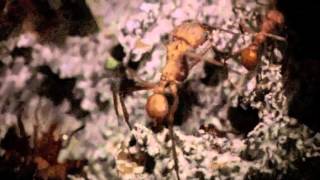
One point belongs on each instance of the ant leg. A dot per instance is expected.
(123, 107)
(174, 107)
(174, 151)
(215, 62)
(210, 27)
(116, 93)
(197, 57)
(125, 111)
(247, 29)
(276, 37)
(194, 57)
(115, 102)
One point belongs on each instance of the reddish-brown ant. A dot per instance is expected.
(249, 55)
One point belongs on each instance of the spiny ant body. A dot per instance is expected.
(184, 39)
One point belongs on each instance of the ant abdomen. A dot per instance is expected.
(157, 107)
(249, 57)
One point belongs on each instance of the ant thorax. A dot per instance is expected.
(175, 68)
(194, 41)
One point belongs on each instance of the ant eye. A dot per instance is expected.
(157, 106)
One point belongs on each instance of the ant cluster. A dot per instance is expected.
(182, 56)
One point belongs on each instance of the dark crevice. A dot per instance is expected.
(243, 119)
(301, 69)
(149, 164)
(117, 52)
(22, 52)
(187, 99)
(79, 16)
(213, 74)
(55, 88)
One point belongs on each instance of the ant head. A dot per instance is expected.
(275, 16)
(157, 106)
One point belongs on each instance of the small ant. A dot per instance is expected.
(184, 40)
(249, 55)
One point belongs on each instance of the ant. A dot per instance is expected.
(249, 55)
(182, 55)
